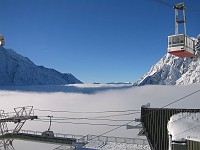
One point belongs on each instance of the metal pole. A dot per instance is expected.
(176, 21)
(184, 17)
(50, 122)
(180, 7)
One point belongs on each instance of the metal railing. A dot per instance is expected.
(116, 139)
(59, 135)
(81, 138)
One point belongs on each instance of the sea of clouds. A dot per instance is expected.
(90, 98)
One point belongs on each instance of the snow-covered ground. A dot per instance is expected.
(86, 98)
(188, 124)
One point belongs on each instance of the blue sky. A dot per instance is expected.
(95, 40)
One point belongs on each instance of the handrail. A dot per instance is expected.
(59, 135)
(81, 138)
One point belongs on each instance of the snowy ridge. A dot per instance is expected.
(172, 70)
(167, 71)
(18, 70)
(192, 75)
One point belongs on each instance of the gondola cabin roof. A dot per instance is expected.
(181, 45)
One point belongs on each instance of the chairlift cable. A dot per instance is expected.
(187, 130)
(193, 10)
(119, 126)
(78, 123)
(98, 117)
(63, 111)
(173, 102)
(180, 99)
(68, 118)
(112, 129)
(162, 2)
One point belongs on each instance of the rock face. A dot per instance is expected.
(18, 70)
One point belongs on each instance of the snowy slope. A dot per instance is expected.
(172, 70)
(18, 70)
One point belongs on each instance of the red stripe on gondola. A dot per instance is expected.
(181, 53)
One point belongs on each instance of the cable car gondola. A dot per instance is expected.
(180, 44)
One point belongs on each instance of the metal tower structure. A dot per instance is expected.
(180, 7)
(67, 141)
(22, 114)
(4, 129)
(180, 44)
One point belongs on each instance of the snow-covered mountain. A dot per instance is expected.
(172, 70)
(18, 70)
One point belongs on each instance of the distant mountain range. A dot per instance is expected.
(18, 70)
(172, 70)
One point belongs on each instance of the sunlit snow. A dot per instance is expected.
(91, 98)
(188, 124)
